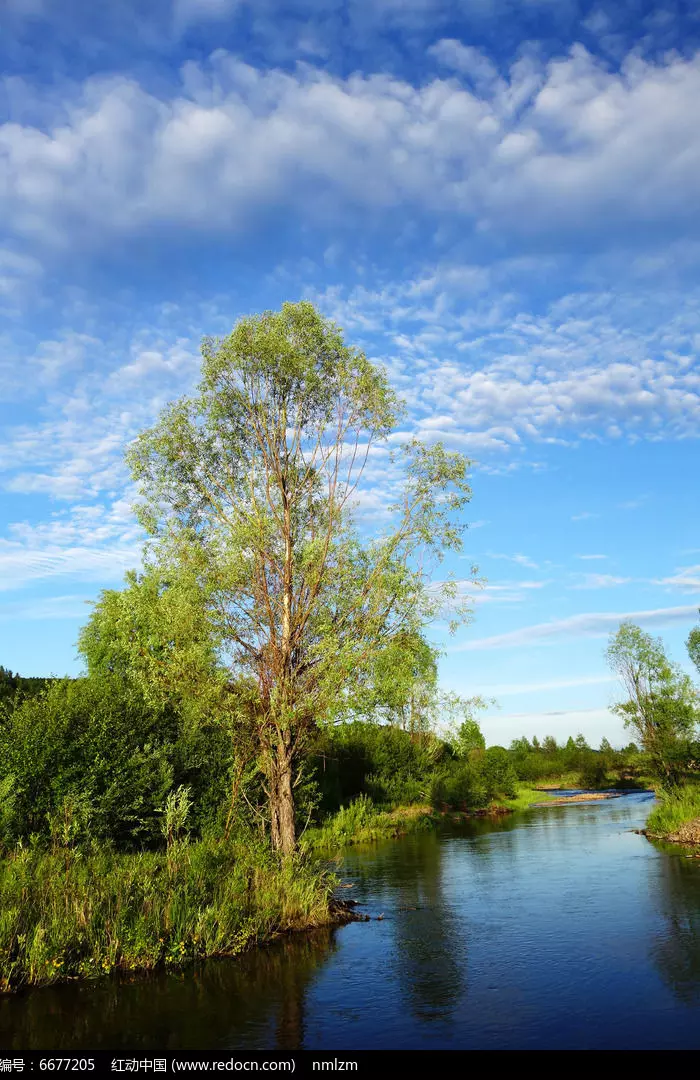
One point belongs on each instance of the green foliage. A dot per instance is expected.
(675, 810)
(378, 760)
(693, 645)
(662, 705)
(474, 783)
(498, 771)
(66, 917)
(154, 634)
(458, 717)
(91, 758)
(14, 687)
(399, 684)
(361, 822)
(247, 490)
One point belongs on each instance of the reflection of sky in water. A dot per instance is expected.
(561, 928)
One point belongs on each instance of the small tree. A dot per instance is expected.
(662, 703)
(462, 727)
(693, 645)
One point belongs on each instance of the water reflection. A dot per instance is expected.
(676, 950)
(256, 1000)
(431, 944)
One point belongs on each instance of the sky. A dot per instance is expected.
(497, 200)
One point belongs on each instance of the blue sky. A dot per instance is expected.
(497, 200)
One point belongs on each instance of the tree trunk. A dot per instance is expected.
(282, 817)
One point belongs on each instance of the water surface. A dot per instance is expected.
(557, 928)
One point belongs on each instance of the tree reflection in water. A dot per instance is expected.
(677, 953)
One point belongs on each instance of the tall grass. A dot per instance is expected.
(674, 811)
(68, 914)
(362, 822)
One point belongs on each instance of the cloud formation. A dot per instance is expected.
(546, 146)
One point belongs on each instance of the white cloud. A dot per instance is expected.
(51, 607)
(520, 560)
(488, 377)
(585, 515)
(601, 581)
(586, 625)
(465, 59)
(590, 557)
(20, 565)
(503, 592)
(561, 144)
(687, 579)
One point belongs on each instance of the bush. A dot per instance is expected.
(593, 775)
(499, 772)
(92, 754)
(377, 760)
(462, 787)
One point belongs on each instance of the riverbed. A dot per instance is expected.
(559, 927)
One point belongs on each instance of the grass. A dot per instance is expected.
(72, 915)
(677, 816)
(362, 822)
(525, 798)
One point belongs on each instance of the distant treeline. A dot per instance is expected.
(14, 687)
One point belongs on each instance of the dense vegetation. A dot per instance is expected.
(121, 849)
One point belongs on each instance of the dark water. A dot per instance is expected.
(558, 928)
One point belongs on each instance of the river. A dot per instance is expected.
(556, 928)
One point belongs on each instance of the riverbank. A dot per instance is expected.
(676, 818)
(74, 915)
(361, 822)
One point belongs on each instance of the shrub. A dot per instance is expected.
(93, 749)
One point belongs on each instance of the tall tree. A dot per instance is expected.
(662, 703)
(250, 485)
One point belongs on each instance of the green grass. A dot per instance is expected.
(71, 915)
(361, 822)
(675, 811)
(525, 797)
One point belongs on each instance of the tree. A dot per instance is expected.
(662, 703)
(154, 634)
(462, 728)
(249, 485)
(693, 646)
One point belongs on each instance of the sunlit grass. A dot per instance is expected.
(362, 822)
(526, 797)
(674, 811)
(68, 914)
